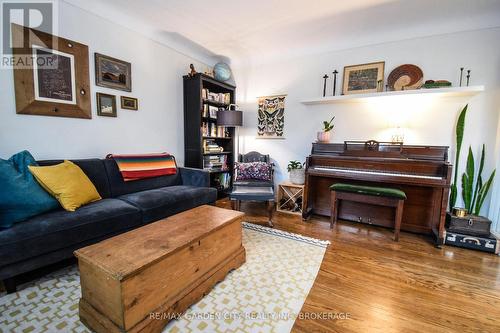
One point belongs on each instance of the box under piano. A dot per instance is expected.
(487, 244)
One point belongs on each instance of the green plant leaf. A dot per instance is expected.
(459, 135)
(479, 182)
(465, 191)
(453, 194)
(468, 188)
(483, 193)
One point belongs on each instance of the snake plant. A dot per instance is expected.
(474, 196)
(459, 134)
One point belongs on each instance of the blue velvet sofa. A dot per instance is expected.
(53, 236)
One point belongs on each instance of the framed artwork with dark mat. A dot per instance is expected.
(106, 105)
(56, 80)
(129, 103)
(113, 73)
(364, 78)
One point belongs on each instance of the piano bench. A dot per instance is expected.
(380, 196)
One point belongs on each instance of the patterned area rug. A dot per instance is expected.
(264, 295)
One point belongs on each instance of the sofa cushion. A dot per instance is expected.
(58, 229)
(67, 183)
(94, 169)
(166, 201)
(121, 187)
(21, 197)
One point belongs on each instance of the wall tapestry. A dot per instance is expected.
(56, 81)
(271, 117)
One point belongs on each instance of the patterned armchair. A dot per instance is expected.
(254, 189)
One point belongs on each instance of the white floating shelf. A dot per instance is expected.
(439, 92)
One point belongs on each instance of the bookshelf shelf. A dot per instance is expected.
(214, 103)
(211, 120)
(219, 153)
(216, 138)
(201, 131)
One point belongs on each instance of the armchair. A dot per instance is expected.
(254, 189)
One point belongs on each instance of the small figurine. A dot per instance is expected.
(192, 72)
(335, 72)
(461, 74)
(324, 85)
(468, 77)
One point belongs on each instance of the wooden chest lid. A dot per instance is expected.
(131, 252)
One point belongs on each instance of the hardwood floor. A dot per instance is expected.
(384, 286)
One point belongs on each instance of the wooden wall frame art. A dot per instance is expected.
(129, 103)
(55, 82)
(364, 78)
(113, 73)
(106, 105)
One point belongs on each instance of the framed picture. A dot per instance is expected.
(365, 78)
(129, 103)
(57, 82)
(113, 73)
(271, 117)
(106, 105)
(54, 83)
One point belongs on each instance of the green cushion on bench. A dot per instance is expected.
(369, 190)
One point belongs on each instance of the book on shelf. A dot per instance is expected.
(210, 111)
(222, 98)
(212, 130)
(215, 162)
(210, 146)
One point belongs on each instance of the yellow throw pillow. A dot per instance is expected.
(67, 183)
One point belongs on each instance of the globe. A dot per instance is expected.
(222, 72)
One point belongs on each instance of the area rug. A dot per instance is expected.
(263, 295)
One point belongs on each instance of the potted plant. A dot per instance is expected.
(324, 136)
(297, 172)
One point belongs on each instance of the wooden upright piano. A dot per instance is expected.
(422, 172)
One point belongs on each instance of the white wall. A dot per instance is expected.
(426, 120)
(156, 81)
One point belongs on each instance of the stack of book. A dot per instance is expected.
(210, 146)
(223, 98)
(211, 129)
(215, 162)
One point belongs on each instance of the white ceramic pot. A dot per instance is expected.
(324, 137)
(297, 176)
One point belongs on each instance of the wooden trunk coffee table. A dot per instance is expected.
(139, 280)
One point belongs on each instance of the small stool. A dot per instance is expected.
(380, 196)
(254, 193)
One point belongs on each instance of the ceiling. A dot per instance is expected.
(255, 31)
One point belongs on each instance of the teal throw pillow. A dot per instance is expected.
(21, 197)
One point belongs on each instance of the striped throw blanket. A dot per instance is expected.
(134, 167)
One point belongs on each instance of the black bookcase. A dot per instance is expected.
(195, 128)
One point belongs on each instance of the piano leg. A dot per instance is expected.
(306, 209)
(439, 230)
(438, 238)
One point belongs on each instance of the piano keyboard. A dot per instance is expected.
(375, 173)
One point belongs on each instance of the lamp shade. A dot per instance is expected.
(229, 118)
